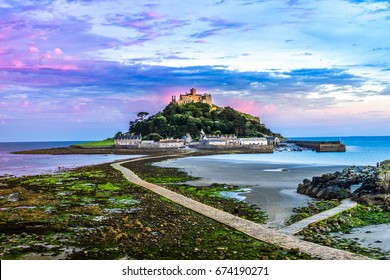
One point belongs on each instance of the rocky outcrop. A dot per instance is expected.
(373, 185)
(376, 188)
(335, 185)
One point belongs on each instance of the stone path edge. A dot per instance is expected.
(300, 225)
(257, 231)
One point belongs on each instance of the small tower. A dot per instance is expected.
(173, 98)
(193, 92)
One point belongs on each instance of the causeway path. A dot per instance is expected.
(298, 226)
(257, 231)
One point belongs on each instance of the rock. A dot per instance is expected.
(376, 187)
(334, 185)
(198, 240)
(221, 249)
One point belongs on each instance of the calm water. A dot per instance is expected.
(271, 188)
(360, 151)
(20, 165)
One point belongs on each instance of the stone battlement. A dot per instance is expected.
(192, 97)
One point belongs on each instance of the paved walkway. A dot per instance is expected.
(298, 226)
(257, 231)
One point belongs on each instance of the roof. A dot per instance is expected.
(253, 139)
(171, 140)
(132, 137)
(215, 140)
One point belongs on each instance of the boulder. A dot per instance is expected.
(335, 185)
(376, 188)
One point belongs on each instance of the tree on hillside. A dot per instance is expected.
(118, 134)
(153, 136)
(141, 115)
(176, 120)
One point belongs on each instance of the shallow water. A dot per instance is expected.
(272, 189)
(31, 164)
(371, 236)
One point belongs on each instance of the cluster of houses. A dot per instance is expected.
(135, 141)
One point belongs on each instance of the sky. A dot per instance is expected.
(82, 69)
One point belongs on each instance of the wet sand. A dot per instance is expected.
(371, 236)
(273, 189)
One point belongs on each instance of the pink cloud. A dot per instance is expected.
(33, 49)
(253, 107)
(153, 14)
(32, 59)
(58, 51)
(17, 64)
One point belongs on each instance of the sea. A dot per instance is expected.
(261, 176)
(361, 150)
(30, 164)
(270, 180)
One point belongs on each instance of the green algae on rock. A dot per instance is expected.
(94, 213)
(345, 222)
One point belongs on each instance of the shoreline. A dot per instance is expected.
(271, 189)
(92, 213)
(185, 156)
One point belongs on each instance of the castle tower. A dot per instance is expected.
(193, 92)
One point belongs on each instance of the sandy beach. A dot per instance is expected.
(271, 188)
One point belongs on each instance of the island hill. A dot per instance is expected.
(193, 120)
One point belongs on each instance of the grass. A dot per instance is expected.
(104, 143)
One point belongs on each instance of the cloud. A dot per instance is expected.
(58, 51)
(220, 2)
(367, 1)
(381, 49)
(109, 78)
(218, 27)
(65, 59)
(149, 25)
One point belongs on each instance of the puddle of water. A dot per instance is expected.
(377, 236)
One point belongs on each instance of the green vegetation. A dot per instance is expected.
(359, 216)
(157, 175)
(311, 209)
(216, 195)
(213, 195)
(94, 213)
(176, 120)
(104, 143)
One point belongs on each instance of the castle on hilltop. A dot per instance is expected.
(192, 97)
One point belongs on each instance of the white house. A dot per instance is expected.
(253, 141)
(215, 141)
(171, 143)
(272, 140)
(219, 140)
(148, 144)
(133, 140)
